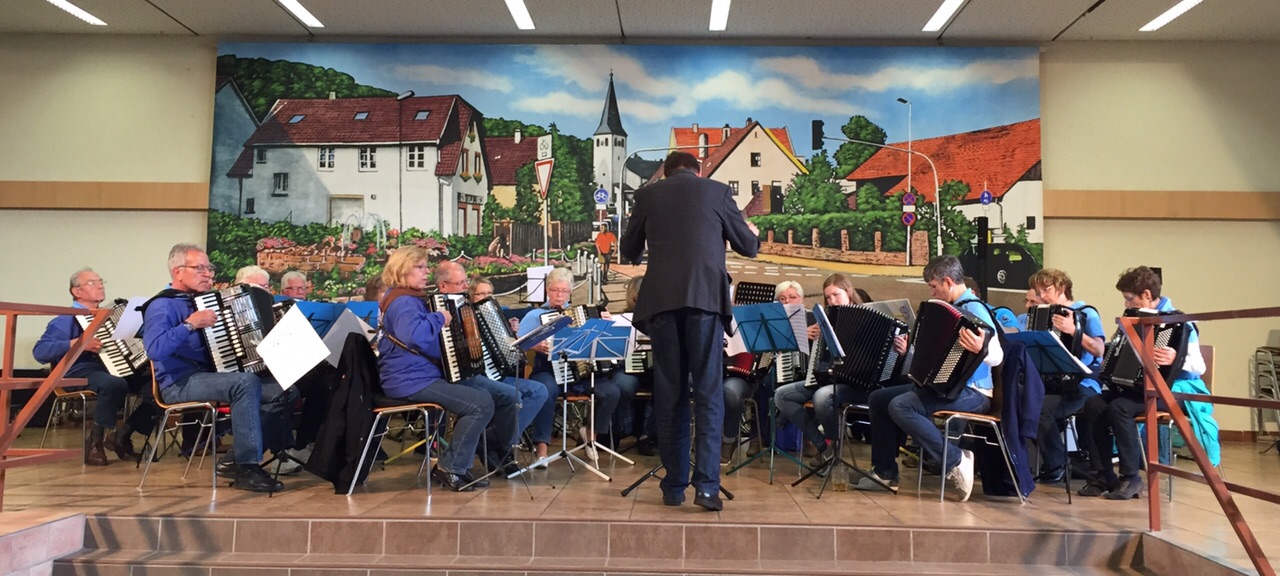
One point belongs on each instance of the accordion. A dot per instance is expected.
(569, 371)
(123, 358)
(1121, 367)
(1040, 318)
(461, 353)
(245, 315)
(500, 355)
(866, 335)
(640, 359)
(940, 361)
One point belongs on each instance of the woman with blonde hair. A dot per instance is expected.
(409, 364)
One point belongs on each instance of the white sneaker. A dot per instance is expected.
(284, 467)
(962, 475)
(300, 454)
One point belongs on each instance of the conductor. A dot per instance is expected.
(684, 307)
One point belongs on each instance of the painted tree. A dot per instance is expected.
(850, 155)
(958, 232)
(871, 199)
(815, 192)
(528, 208)
(571, 178)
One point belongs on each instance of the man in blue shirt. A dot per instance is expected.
(185, 372)
(88, 291)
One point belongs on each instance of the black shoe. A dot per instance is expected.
(647, 446)
(709, 501)
(1096, 488)
(503, 464)
(450, 481)
(253, 478)
(1129, 488)
(672, 499)
(471, 479)
(1054, 476)
(227, 469)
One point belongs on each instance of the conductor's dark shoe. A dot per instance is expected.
(253, 478)
(647, 446)
(673, 499)
(226, 468)
(450, 481)
(709, 501)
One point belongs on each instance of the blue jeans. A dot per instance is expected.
(252, 402)
(688, 342)
(886, 436)
(1053, 417)
(827, 402)
(627, 385)
(506, 409)
(608, 394)
(912, 413)
(111, 391)
(472, 408)
(533, 395)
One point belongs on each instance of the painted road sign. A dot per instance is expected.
(543, 169)
(908, 199)
(985, 198)
(908, 208)
(544, 147)
(602, 196)
(909, 218)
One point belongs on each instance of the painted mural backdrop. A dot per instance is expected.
(327, 157)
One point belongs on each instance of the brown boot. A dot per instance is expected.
(755, 446)
(94, 455)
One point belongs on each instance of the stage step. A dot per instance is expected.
(212, 546)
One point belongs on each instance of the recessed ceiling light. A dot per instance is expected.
(719, 15)
(1177, 10)
(520, 13)
(78, 12)
(944, 13)
(301, 13)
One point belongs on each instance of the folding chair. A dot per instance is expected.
(384, 409)
(971, 419)
(62, 397)
(206, 432)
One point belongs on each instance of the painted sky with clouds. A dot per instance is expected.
(951, 89)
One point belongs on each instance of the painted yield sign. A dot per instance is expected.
(543, 169)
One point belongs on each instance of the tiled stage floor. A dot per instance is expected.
(1193, 519)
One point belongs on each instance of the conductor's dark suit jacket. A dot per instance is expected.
(686, 220)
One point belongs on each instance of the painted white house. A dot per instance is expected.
(416, 162)
(236, 123)
(756, 162)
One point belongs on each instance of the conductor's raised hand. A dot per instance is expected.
(972, 341)
(752, 227)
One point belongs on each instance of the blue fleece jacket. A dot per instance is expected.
(402, 372)
(174, 350)
(56, 342)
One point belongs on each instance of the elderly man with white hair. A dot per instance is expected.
(295, 285)
(254, 276)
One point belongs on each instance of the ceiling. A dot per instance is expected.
(620, 21)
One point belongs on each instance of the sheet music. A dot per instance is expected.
(336, 338)
(292, 348)
(900, 310)
(537, 283)
(1036, 340)
(733, 342)
(131, 320)
(799, 326)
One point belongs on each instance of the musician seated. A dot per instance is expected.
(294, 285)
(907, 409)
(610, 387)
(828, 399)
(1065, 396)
(88, 291)
(254, 276)
(1111, 414)
(185, 371)
(644, 421)
(409, 365)
(516, 401)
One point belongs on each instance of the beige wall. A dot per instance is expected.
(117, 109)
(1179, 116)
(1130, 116)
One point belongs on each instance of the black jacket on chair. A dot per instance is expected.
(346, 427)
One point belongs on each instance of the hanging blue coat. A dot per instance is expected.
(1022, 395)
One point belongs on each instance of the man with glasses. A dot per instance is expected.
(510, 415)
(88, 291)
(185, 372)
(294, 284)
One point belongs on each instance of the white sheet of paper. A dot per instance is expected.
(131, 321)
(799, 326)
(536, 278)
(336, 338)
(733, 344)
(292, 348)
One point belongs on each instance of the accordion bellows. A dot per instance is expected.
(939, 360)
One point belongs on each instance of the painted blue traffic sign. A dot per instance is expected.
(909, 218)
(602, 196)
(985, 198)
(908, 199)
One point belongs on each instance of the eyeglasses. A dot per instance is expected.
(202, 269)
(559, 290)
(462, 282)
(92, 283)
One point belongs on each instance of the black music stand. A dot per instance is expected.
(836, 350)
(766, 328)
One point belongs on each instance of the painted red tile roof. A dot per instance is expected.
(687, 136)
(506, 156)
(333, 121)
(998, 156)
(726, 146)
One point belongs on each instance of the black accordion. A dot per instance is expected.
(866, 335)
(640, 359)
(461, 352)
(940, 361)
(501, 358)
(568, 372)
(1121, 367)
(123, 358)
(244, 317)
(1040, 318)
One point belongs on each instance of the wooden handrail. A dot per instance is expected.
(1141, 338)
(9, 431)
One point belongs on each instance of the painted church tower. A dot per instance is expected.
(610, 150)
